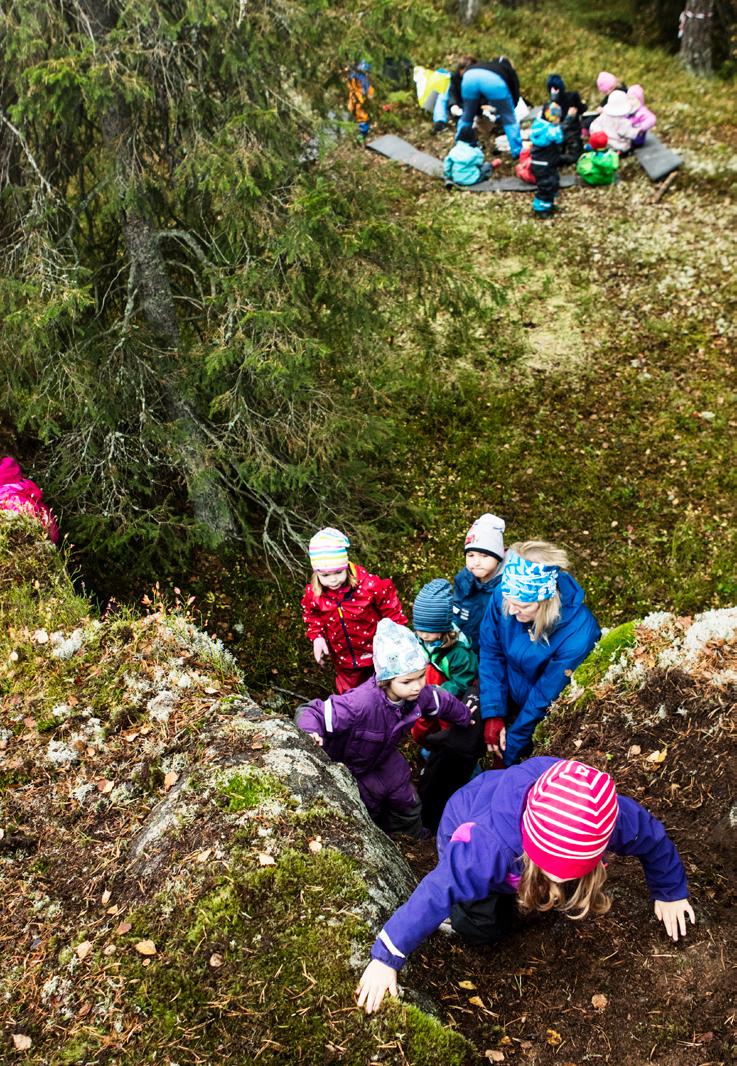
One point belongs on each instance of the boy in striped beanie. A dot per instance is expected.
(561, 817)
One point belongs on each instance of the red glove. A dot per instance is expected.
(493, 730)
(422, 728)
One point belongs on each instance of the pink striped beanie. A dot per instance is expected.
(569, 816)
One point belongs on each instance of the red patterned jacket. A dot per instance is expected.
(347, 617)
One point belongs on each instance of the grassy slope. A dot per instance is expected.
(579, 415)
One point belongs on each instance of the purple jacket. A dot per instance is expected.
(479, 845)
(362, 729)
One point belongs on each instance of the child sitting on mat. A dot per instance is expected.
(464, 163)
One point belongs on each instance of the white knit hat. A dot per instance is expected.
(486, 535)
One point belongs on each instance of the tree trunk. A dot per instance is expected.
(151, 285)
(696, 29)
(468, 10)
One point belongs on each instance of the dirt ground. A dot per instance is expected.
(616, 989)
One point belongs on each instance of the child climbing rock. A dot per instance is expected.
(536, 631)
(18, 493)
(342, 606)
(473, 585)
(451, 753)
(464, 163)
(363, 728)
(531, 838)
(599, 164)
(546, 136)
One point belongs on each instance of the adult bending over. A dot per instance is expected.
(537, 832)
(535, 632)
(494, 83)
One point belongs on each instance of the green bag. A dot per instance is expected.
(598, 168)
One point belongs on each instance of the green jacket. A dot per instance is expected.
(459, 664)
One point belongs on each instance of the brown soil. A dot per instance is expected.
(531, 998)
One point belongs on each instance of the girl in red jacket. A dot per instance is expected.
(341, 608)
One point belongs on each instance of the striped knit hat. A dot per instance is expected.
(329, 550)
(569, 816)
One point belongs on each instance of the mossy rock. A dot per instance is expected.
(607, 651)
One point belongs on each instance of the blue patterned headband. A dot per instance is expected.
(526, 581)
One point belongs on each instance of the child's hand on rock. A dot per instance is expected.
(317, 739)
(377, 979)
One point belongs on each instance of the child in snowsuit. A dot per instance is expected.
(473, 585)
(451, 753)
(18, 493)
(464, 163)
(535, 633)
(341, 608)
(640, 117)
(360, 92)
(599, 164)
(546, 136)
(572, 107)
(533, 837)
(614, 121)
(363, 728)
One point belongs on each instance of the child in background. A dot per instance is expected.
(572, 107)
(608, 83)
(599, 164)
(533, 838)
(641, 117)
(341, 608)
(473, 585)
(614, 121)
(464, 163)
(546, 136)
(363, 728)
(18, 493)
(451, 754)
(360, 92)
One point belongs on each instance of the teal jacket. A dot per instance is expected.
(463, 164)
(459, 665)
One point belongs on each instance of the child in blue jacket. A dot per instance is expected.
(464, 163)
(533, 836)
(473, 585)
(546, 136)
(535, 633)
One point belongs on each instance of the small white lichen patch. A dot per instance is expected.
(60, 754)
(707, 627)
(161, 706)
(65, 647)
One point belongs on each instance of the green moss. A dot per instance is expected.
(427, 1040)
(607, 651)
(247, 789)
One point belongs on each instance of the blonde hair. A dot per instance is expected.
(318, 589)
(548, 611)
(537, 892)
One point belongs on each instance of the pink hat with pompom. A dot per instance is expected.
(638, 93)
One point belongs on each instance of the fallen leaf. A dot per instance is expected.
(82, 950)
(146, 962)
(29, 723)
(170, 780)
(105, 898)
(468, 985)
(105, 786)
(494, 1056)
(2, 833)
(599, 1001)
(634, 749)
(72, 701)
(114, 909)
(477, 1001)
(266, 860)
(657, 757)
(553, 1038)
(145, 947)
(216, 961)
(21, 1042)
(109, 950)
(203, 856)
(315, 845)
(84, 1010)
(122, 928)
(40, 636)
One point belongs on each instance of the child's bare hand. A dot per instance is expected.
(673, 916)
(320, 650)
(317, 739)
(377, 979)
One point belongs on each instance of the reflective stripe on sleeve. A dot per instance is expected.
(328, 707)
(387, 942)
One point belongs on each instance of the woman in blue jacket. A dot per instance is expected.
(483, 84)
(532, 837)
(535, 632)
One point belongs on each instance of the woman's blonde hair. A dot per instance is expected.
(542, 551)
(318, 589)
(537, 892)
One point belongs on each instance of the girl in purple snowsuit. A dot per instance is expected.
(362, 728)
(513, 838)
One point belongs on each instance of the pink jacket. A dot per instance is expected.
(620, 131)
(18, 493)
